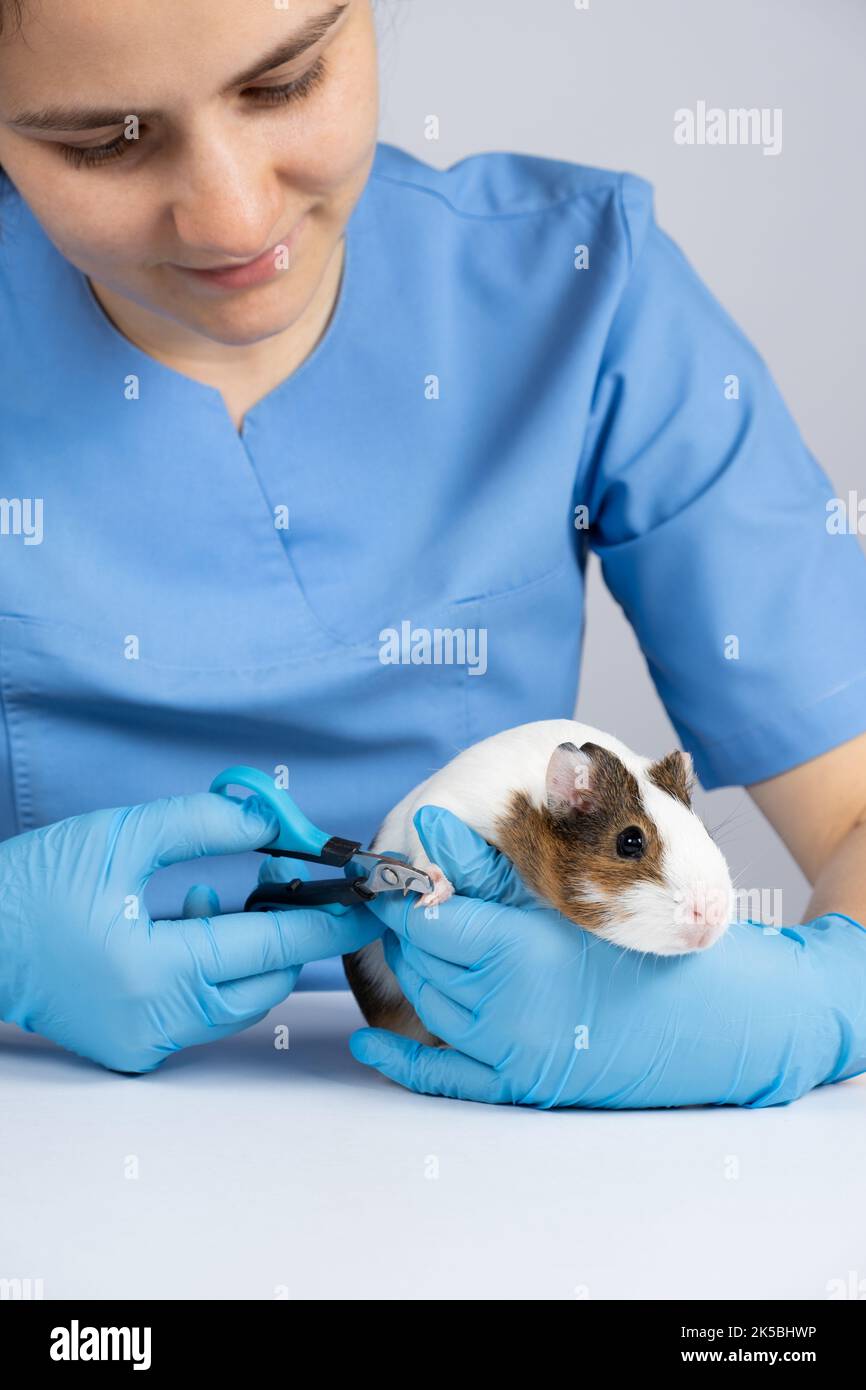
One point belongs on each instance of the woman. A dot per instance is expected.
(273, 393)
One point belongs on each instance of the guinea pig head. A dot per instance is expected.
(623, 855)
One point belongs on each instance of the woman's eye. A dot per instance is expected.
(630, 843)
(290, 91)
(96, 154)
(79, 155)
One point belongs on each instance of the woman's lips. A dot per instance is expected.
(238, 277)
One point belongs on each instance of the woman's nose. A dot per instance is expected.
(228, 203)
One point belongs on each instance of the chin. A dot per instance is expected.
(243, 324)
(648, 940)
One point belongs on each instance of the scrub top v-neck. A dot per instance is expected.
(387, 562)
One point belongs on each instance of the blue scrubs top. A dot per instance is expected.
(477, 382)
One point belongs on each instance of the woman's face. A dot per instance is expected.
(247, 141)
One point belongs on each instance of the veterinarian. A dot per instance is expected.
(270, 390)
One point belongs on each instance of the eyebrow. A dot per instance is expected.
(93, 117)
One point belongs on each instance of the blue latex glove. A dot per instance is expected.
(82, 963)
(541, 1013)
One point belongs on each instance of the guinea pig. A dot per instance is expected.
(603, 835)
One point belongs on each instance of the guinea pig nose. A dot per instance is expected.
(695, 913)
(705, 918)
(706, 908)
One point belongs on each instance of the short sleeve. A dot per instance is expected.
(716, 529)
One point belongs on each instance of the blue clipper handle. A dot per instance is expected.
(297, 836)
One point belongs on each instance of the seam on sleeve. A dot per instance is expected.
(624, 219)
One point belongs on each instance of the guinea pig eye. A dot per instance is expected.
(630, 843)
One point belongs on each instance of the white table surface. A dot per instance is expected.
(266, 1173)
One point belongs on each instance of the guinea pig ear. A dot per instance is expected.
(570, 779)
(675, 774)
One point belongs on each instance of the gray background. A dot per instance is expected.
(778, 239)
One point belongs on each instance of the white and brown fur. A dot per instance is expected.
(553, 796)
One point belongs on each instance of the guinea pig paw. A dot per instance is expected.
(442, 888)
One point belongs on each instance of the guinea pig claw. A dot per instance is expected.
(441, 891)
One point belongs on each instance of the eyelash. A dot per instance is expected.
(79, 156)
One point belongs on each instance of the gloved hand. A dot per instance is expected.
(82, 963)
(539, 1012)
